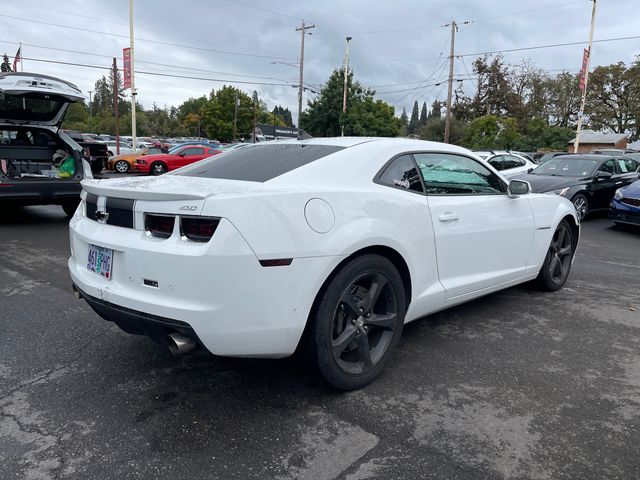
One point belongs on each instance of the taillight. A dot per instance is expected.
(198, 229)
(160, 226)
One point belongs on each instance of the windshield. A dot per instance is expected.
(24, 107)
(568, 167)
(175, 149)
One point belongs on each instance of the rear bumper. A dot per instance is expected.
(39, 192)
(137, 323)
(219, 290)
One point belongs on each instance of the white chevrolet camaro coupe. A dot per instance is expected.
(332, 244)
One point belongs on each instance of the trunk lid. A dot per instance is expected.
(167, 187)
(32, 99)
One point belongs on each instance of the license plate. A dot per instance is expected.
(100, 260)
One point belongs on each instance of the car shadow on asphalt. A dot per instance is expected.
(30, 215)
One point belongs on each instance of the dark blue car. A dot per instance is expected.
(625, 206)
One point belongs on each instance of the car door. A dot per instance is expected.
(626, 172)
(190, 155)
(483, 238)
(603, 188)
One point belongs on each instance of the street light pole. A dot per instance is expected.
(576, 144)
(134, 141)
(90, 111)
(303, 30)
(344, 92)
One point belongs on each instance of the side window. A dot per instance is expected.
(627, 165)
(402, 173)
(447, 174)
(498, 163)
(609, 166)
(514, 162)
(192, 151)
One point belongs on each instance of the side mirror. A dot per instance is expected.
(181, 154)
(530, 170)
(603, 175)
(517, 188)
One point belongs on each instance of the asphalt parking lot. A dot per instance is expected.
(519, 384)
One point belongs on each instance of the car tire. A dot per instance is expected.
(70, 207)
(581, 204)
(121, 166)
(357, 322)
(557, 262)
(97, 166)
(157, 168)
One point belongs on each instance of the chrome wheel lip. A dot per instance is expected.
(365, 328)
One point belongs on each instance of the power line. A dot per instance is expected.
(554, 45)
(531, 10)
(138, 28)
(159, 42)
(144, 62)
(159, 74)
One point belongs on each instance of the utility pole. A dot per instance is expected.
(447, 121)
(576, 144)
(255, 106)
(133, 80)
(303, 30)
(344, 93)
(235, 117)
(90, 111)
(115, 104)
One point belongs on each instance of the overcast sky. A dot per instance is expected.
(397, 45)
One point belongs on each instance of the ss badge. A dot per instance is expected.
(189, 208)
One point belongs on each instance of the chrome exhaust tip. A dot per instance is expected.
(180, 344)
(76, 293)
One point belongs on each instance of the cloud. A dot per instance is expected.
(395, 45)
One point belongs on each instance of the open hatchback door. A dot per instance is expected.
(27, 98)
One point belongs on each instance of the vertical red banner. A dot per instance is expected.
(585, 66)
(126, 62)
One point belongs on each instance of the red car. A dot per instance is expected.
(177, 157)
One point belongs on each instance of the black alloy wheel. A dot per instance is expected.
(70, 206)
(158, 168)
(581, 204)
(557, 263)
(358, 322)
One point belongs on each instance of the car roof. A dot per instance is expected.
(588, 156)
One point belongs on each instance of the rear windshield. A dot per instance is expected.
(258, 163)
(34, 108)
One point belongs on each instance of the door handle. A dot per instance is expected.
(448, 217)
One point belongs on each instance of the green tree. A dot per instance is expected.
(6, 65)
(613, 97)
(415, 119)
(218, 112)
(423, 115)
(491, 132)
(365, 116)
(434, 130)
(76, 117)
(563, 99)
